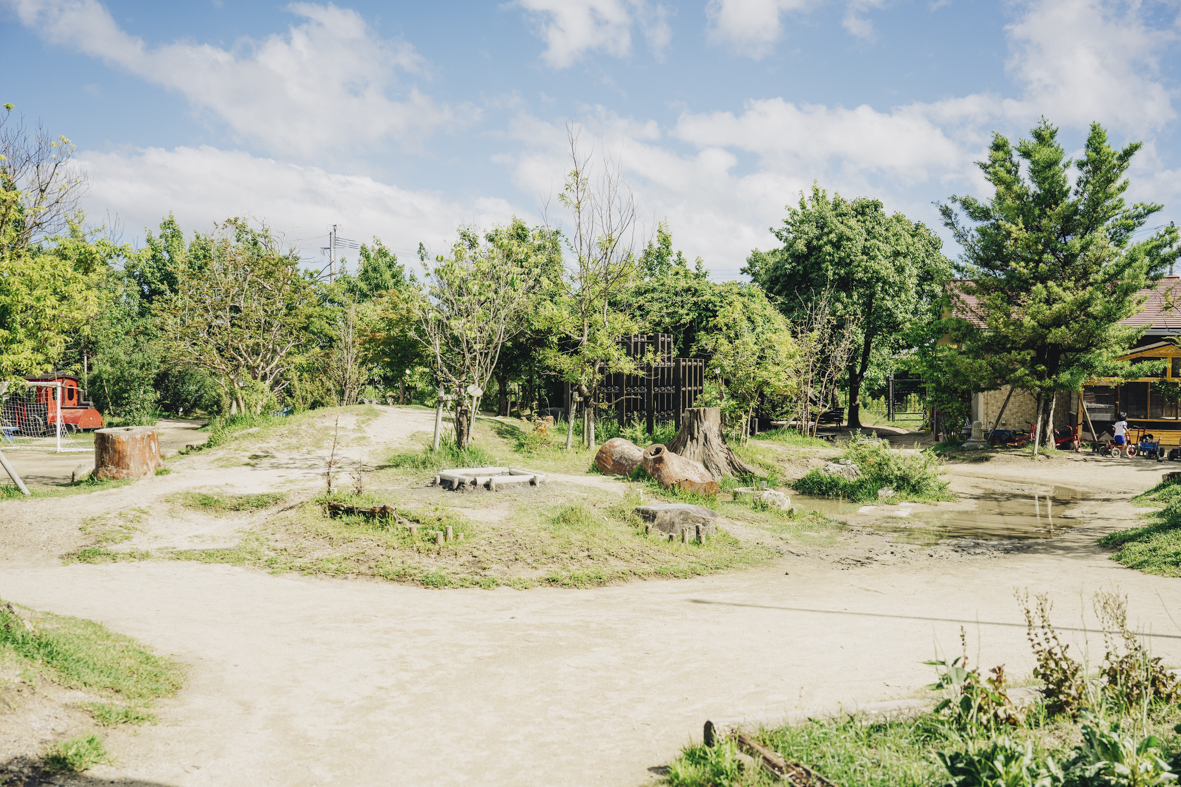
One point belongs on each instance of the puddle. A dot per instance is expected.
(996, 517)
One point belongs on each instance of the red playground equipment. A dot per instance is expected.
(41, 411)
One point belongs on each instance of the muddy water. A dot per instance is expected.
(996, 517)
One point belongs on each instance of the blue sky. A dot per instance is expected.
(405, 120)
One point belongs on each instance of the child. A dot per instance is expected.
(1121, 430)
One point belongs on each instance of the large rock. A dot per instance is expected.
(766, 497)
(675, 517)
(847, 471)
(619, 457)
(126, 452)
(671, 470)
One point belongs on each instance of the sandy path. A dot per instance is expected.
(300, 681)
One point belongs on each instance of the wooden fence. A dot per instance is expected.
(665, 389)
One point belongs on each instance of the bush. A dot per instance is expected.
(76, 754)
(913, 476)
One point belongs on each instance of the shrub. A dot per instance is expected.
(1064, 685)
(1111, 757)
(911, 476)
(973, 702)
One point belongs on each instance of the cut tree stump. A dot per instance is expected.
(701, 440)
(126, 452)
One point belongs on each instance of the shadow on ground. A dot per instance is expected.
(22, 772)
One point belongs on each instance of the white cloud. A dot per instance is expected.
(573, 28)
(1083, 60)
(328, 82)
(204, 184)
(751, 27)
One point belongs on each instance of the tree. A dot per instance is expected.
(585, 315)
(241, 315)
(752, 349)
(378, 271)
(1051, 264)
(672, 297)
(47, 289)
(881, 270)
(472, 304)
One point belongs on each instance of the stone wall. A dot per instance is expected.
(1021, 410)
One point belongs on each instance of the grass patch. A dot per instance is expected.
(791, 437)
(227, 504)
(912, 476)
(1156, 547)
(858, 752)
(75, 755)
(82, 486)
(591, 538)
(82, 654)
(111, 715)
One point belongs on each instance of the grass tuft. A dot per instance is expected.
(110, 715)
(913, 476)
(224, 504)
(75, 755)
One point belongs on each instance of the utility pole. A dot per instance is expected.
(332, 254)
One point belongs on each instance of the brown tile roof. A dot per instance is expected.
(1160, 314)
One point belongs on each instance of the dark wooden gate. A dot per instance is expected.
(665, 389)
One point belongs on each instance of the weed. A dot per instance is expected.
(75, 755)
(1001, 762)
(448, 456)
(164, 471)
(973, 702)
(1062, 678)
(701, 765)
(1132, 678)
(1110, 756)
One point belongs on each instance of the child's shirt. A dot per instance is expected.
(1121, 428)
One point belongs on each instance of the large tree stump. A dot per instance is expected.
(671, 470)
(126, 452)
(701, 440)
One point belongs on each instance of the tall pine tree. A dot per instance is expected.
(1051, 265)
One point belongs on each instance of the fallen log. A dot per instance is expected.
(794, 773)
(671, 470)
(336, 509)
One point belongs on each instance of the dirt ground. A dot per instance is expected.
(304, 681)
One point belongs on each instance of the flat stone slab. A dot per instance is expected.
(490, 478)
(675, 517)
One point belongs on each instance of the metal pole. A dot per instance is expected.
(16, 479)
(58, 417)
(332, 260)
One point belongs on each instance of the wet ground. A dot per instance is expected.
(996, 516)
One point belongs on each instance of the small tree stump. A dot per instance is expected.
(126, 452)
(701, 440)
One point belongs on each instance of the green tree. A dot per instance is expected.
(586, 315)
(670, 296)
(1051, 265)
(882, 270)
(47, 288)
(378, 271)
(751, 348)
(241, 316)
(472, 303)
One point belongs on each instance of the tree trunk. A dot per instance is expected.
(463, 425)
(402, 390)
(1048, 429)
(701, 440)
(1037, 429)
(502, 399)
(126, 452)
(570, 423)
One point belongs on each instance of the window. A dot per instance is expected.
(1162, 406)
(1133, 399)
(1176, 370)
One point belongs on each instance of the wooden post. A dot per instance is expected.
(16, 479)
(574, 400)
(1087, 414)
(440, 399)
(449, 534)
(649, 399)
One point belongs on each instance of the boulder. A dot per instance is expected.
(767, 497)
(673, 518)
(885, 493)
(619, 457)
(844, 469)
(671, 470)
